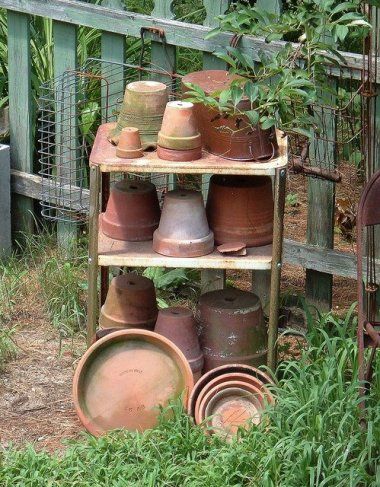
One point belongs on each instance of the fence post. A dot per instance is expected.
(164, 57)
(212, 279)
(5, 202)
(20, 113)
(65, 57)
(113, 49)
(261, 279)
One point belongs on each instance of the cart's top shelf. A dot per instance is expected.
(103, 154)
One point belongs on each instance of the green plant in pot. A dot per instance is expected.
(279, 88)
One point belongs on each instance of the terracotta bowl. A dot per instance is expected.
(202, 401)
(222, 370)
(123, 378)
(231, 409)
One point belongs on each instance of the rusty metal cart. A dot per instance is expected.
(105, 252)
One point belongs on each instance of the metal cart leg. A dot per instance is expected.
(93, 299)
(278, 227)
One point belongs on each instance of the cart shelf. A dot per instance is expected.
(103, 155)
(140, 254)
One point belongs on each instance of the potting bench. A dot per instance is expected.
(105, 251)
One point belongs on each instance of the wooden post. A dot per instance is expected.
(65, 57)
(261, 279)
(20, 110)
(163, 57)
(113, 50)
(212, 279)
(321, 208)
(5, 202)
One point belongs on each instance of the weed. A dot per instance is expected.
(292, 200)
(312, 437)
(8, 348)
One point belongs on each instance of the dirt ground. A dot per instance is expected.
(35, 388)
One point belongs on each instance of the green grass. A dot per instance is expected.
(313, 437)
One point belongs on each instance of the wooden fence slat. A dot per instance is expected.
(164, 57)
(212, 279)
(177, 33)
(5, 202)
(321, 204)
(113, 50)
(20, 113)
(65, 57)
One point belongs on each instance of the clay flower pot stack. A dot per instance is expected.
(132, 212)
(183, 230)
(232, 136)
(230, 397)
(130, 303)
(179, 138)
(143, 107)
(231, 328)
(178, 325)
(240, 209)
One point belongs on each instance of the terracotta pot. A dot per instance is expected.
(178, 325)
(224, 370)
(133, 211)
(183, 229)
(130, 303)
(203, 401)
(231, 409)
(231, 328)
(179, 155)
(129, 146)
(227, 378)
(124, 378)
(143, 107)
(230, 137)
(240, 208)
(179, 130)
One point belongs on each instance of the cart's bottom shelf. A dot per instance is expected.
(140, 254)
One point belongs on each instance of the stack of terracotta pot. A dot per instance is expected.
(230, 397)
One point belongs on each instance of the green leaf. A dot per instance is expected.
(236, 95)
(251, 91)
(253, 116)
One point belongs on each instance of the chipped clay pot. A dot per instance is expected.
(183, 230)
(132, 212)
(143, 107)
(179, 129)
(130, 303)
(178, 325)
(231, 328)
(229, 136)
(240, 208)
(129, 146)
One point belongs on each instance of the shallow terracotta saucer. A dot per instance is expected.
(123, 379)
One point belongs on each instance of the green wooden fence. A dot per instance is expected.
(112, 19)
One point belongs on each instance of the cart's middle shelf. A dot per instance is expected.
(140, 254)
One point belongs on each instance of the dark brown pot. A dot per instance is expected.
(179, 326)
(130, 303)
(183, 229)
(231, 328)
(240, 208)
(133, 211)
(230, 137)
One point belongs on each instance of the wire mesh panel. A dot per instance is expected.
(338, 133)
(71, 108)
